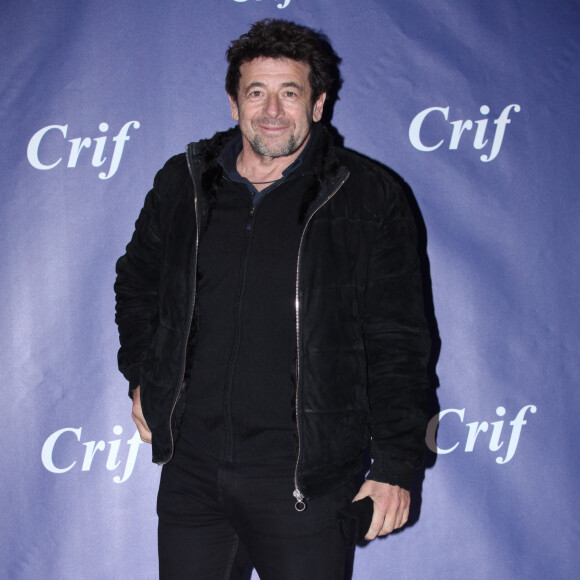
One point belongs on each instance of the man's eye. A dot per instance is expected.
(290, 94)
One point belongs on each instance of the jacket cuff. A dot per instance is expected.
(393, 473)
(134, 377)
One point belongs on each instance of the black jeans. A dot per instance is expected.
(217, 520)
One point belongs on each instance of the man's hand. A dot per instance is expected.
(391, 507)
(137, 415)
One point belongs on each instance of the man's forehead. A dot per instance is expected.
(273, 68)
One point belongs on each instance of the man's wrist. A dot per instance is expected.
(392, 473)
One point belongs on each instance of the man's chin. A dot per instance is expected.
(274, 150)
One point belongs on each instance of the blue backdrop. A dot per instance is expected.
(474, 103)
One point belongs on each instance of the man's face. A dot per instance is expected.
(274, 107)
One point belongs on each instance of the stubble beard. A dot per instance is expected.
(282, 150)
(261, 147)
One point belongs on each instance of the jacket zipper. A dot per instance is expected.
(300, 504)
(192, 305)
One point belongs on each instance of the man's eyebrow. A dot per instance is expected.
(255, 84)
(292, 84)
(284, 85)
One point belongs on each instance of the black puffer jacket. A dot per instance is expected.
(362, 341)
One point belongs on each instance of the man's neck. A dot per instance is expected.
(261, 170)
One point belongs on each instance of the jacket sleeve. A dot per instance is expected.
(397, 345)
(137, 290)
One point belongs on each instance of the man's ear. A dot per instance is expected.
(318, 107)
(234, 108)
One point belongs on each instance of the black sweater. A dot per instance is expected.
(242, 380)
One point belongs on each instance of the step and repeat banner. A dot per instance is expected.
(474, 103)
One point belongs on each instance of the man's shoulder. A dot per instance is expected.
(172, 174)
(176, 163)
(204, 151)
(368, 175)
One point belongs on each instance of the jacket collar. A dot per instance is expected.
(321, 161)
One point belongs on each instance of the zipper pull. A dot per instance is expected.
(250, 217)
(300, 504)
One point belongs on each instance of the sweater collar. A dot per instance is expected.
(320, 160)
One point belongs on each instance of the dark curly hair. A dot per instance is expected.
(275, 38)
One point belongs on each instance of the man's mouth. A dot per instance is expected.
(272, 127)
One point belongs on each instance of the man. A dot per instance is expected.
(272, 330)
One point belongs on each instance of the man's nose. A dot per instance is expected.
(272, 107)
